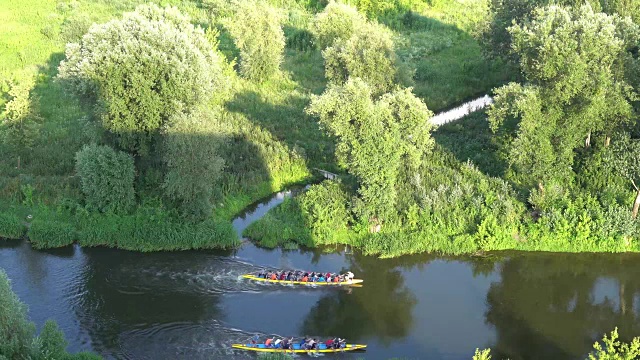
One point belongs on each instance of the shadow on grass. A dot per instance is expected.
(288, 122)
(470, 138)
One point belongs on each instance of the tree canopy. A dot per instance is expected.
(141, 70)
(567, 57)
(376, 137)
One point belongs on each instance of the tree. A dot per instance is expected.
(626, 160)
(51, 341)
(15, 331)
(141, 70)
(614, 349)
(256, 30)
(375, 139)
(567, 57)
(368, 54)
(19, 119)
(192, 156)
(336, 24)
(106, 176)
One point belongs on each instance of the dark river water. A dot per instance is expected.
(194, 305)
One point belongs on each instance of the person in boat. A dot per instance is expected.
(277, 343)
(305, 278)
(254, 340)
(268, 342)
(321, 278)
(261, 274)
(289, 276)
(303, 343)
(348, 276)
(274, 276)
(336, 279)
(329, 343)
(283, 276)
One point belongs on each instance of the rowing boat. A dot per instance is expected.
(322, 348)
(351, 282)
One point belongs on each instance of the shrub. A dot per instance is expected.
(143, 69)
(257, 33)
(51, 342)
(336, 24)
(11, 227)
(50, 234)
(369, 55)
(192, 147)
(107, 178)
(325, 208)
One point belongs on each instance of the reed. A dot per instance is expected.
(11, 227)
(45, 234)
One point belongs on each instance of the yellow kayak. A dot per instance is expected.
(296, 348)
(353, 282)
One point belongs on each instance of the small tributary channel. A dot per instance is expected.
(194, 304)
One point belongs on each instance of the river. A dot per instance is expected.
(193, 304)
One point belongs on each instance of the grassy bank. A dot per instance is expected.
(271, 142)
(459, 205)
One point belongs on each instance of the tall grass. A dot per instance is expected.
(11, 227)
(44, 234)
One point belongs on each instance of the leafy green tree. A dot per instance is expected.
(375, 139)
(256, 30)
(141, 70)
(567, 57)
(336, 23)
(192, 156)
(614, 349)
(368, 54)
(16, 332)
(20, 128)
(106, 176)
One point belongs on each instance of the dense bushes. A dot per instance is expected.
(257, 33)
(11, 227)
(141, 70)
(326, 210)
(17, 339)
(50, 234)
(107, 178)
(150, 229)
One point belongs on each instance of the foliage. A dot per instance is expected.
(10, 226)
(282, 226)
(368, 54)
(336, 24)
(256, 30)
(51, 341)
(107, 177)
(567, 57)
(45, 234)
(192, 156)
(15, 331)
(482, 354)
(152, 229)
(614, 349)
(141, 70)
(326, 210)
(19, 126)
(375, 139)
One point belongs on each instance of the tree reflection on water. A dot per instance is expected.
(554, 306)
(382, 308)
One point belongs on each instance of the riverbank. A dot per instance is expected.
(458, 204)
